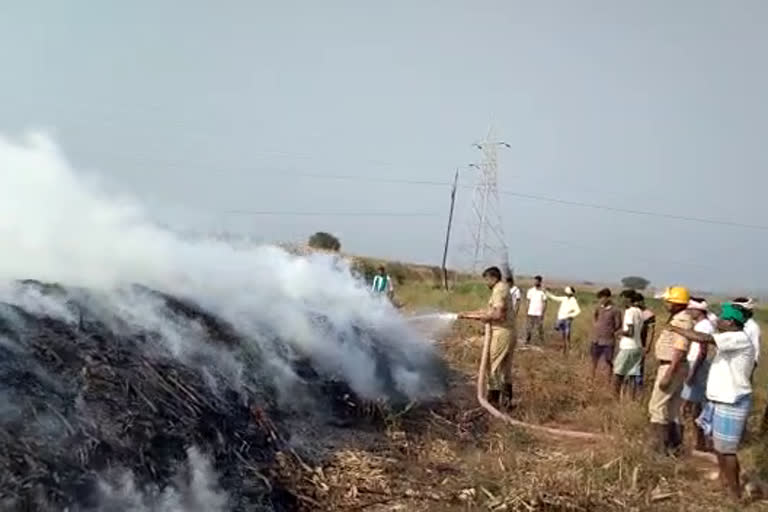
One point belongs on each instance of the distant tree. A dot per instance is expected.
(324, 241)
(635, 282)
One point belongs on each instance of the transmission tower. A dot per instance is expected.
(489, 243)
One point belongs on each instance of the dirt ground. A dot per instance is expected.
(451, 456)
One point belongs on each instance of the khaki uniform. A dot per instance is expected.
(503, 338)
(664, 406)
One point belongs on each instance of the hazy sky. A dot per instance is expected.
(204, 108)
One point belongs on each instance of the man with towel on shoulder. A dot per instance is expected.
(569, 310)
(729, 389)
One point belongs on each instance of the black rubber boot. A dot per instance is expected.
(659, 438)
(494, 397)
(674, 438)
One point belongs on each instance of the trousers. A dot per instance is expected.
(664, 406)
(534, 325)
(502, 350)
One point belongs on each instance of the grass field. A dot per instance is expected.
(451, 456)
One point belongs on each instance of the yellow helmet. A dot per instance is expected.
(677, 295)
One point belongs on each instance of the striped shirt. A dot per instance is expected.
(382, 284)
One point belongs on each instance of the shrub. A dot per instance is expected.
(398, 272)
(635, 282)
(437, 276)
(324, 241)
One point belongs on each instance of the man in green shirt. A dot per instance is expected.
(382, 284)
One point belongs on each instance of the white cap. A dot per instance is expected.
(749, 305)
(569, 290)
(701, 306)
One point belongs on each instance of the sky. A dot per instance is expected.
(243, 116)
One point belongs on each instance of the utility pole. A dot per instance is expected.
(448, 230)
(488, 231)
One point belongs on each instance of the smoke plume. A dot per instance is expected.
(59, 226)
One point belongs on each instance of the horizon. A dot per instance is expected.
(560, 281)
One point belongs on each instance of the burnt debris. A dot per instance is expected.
(84, 398)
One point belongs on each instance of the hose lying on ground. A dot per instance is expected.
(481, 389)
(572, 434)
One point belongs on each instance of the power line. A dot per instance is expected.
(295, 213)
(536, 197)
(189, 132)
(350, 177)
(639, 256)
(290, 154)
(635, 212)
(327, 214)
(183, 166)
(381, 163)
(363, 214)
(436, 183)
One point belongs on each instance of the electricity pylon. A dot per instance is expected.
(489, 243)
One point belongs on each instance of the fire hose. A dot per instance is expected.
(493, 411)
(481, 397)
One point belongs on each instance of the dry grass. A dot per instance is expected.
(452, 457)
(553, 387)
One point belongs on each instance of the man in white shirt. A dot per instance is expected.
(515, 295)
(729, 390)
(751, 327)
(537, 306)
(626, 365)
(695, 389)
(569, 310)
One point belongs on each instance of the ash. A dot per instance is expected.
(97, 411)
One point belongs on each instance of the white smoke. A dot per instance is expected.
(57, 226)
(195, 489)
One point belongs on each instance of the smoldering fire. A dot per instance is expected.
(142, 326)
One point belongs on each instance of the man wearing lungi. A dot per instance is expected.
(729, 390)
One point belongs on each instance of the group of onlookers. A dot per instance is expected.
(715, 390)
(536, 299)
(705, 363)
(621, 339)
(705, 368)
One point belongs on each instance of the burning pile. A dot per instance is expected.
(174, 395)
(96, 414)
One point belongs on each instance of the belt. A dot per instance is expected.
(666, 363)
